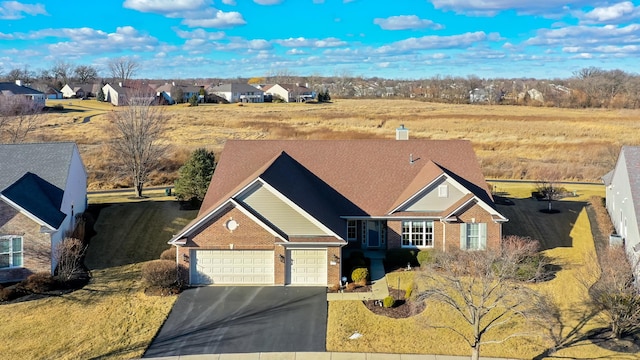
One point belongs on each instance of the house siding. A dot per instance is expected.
(431, 201)
(621, 207)
(279, 213)
(36, 246)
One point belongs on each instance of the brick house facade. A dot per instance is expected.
(279, 212)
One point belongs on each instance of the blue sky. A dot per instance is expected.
(403, 39)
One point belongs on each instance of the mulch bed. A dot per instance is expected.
(402, 308)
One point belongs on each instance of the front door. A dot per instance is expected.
(373, 234)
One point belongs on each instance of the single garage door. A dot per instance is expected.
(232, 267)
(307, 267)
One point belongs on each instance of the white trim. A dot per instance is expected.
(28, 214)
(299, 210)
(483, 205)
(423, 233)
(216, 211)
(417, 193)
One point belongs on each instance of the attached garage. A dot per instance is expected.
(232, 267)
(307, 267)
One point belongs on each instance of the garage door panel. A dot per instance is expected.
(307, 267)
(232, 267)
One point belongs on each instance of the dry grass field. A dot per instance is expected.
(512, 142)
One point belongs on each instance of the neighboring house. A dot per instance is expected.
(290, 92)
(165, 91)
(119, 95)
(280, 211)
(238, 92)
(17, 89)
(80, 91)
(42, 188)
(623, 200)
(52, 93)
(115, 94)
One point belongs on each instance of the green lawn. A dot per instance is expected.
(111, 317)
(568, 240)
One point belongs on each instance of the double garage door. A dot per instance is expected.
(234, 267)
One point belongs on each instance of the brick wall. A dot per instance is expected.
(450, 231)
(36, 245)
(248, 236)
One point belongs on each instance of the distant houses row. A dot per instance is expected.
(168, 93)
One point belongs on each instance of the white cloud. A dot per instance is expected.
(87, 41)
(229, 2)
(492, 7)
(406, 22)
(295, 52)
(219, 19)
(314, 43)
(434, 42)
(267, 2)
(200, 34)
(14, 10)
(616, 13)
(582, 35)
(166, 7)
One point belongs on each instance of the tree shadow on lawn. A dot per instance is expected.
(128, 233)
(551, 230)
(565, 336)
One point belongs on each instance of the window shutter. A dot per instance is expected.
(482, 235)
(463, 236)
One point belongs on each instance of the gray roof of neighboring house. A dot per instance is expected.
(235, 88)
(17, 89)
(33, 172)
(50, 161)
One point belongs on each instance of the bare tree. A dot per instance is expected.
(19, 116)
(62, 71)
(123, 69)
(481, 289)
(548, 187)
(70, 255)
(85, 73)
(136, 131)
(615, 294)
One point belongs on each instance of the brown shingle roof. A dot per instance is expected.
(372, 174)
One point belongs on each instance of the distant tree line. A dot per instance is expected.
(589, 87)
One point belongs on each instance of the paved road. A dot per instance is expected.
(244, 319)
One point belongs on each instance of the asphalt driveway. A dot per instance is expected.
(244, 319)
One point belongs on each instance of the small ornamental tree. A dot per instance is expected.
(100, 96)
(195, 175)
(193, 100)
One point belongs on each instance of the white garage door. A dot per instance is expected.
(307, 267)
(232, 267)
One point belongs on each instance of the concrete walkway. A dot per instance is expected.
(319, 356)
(379, 286)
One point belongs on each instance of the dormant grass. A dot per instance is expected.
(111, 317)
(511, 142)
(568, 291)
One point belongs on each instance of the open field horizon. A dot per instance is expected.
(511, 142)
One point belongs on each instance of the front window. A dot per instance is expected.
(351, 230)
(473, 236)
(10, 251)
(417, 233)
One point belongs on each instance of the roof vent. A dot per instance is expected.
(402, 133)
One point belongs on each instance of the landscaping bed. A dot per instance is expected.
(402, 308)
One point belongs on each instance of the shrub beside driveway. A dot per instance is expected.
(111, 317)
